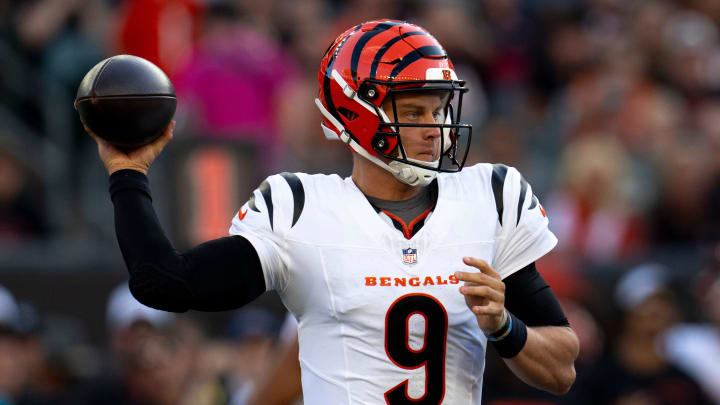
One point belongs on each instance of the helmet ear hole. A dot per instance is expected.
(349, 115)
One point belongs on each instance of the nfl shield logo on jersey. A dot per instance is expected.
(409, 256)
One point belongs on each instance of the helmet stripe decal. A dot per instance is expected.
(498, 184)
(328, 74)
(384, 48)
(412, 57)
(267, 196)
(298, 193)
(357, 50)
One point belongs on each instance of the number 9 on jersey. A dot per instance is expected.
(431, 355)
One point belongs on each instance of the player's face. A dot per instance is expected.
(421, 143)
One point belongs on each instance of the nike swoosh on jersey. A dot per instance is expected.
(241, 215)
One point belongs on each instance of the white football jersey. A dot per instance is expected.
(380, 317)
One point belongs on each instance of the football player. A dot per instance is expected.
(400, 275)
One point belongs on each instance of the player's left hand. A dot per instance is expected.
(484, 293)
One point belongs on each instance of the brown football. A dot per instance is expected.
(126, 100)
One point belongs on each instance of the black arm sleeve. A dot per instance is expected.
(530, 298)
(217, 275)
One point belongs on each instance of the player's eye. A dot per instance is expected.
(412, 115)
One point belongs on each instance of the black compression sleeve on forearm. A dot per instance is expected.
(217, 275)
(530, 298)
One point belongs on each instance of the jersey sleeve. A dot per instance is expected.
(265, 220)
(523, 234)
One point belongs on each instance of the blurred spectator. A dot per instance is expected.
(593, 214)
(154, 352)
(233, 79)
(469, 43)
(252, 334)
(49, 47)
(351, 12)
(14, 361)
(695, 348)
(32, 370)
(306, 32)
(635, 371)
(21, 213)
(690, 40)
(243, 354)
(502, 387)
(61, 359)
(281, 383)
(234, 91)
(680, 213)
(708, 124)
(161, 31)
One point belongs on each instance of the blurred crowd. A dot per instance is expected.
(610, 109)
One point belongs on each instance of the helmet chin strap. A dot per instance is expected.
(413, 175)
(408, 174)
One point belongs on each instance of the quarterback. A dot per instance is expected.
(401, 275)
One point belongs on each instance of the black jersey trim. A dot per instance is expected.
(523, 191)
(267, 196)
(498, 184)
(399, 225)
(251, 203)
(534, 203)
(298, 193)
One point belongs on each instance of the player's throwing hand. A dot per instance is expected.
(484, 294)
(139, 159)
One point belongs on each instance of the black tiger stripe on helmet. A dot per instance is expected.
(327, 75)
(384, 48)
(360, 45)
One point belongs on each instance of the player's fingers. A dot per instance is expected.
(483, 291)
(481, 265)
(491, 310)
(170, 129)
(480, 279)
(106, 151)
(87, 129)
(160, 143)
(90, 132)
(147, 154)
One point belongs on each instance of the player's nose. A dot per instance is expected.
(430, 132)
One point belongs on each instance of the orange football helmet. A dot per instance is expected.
(379, 59)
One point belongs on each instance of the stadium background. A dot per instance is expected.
(609, 108)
